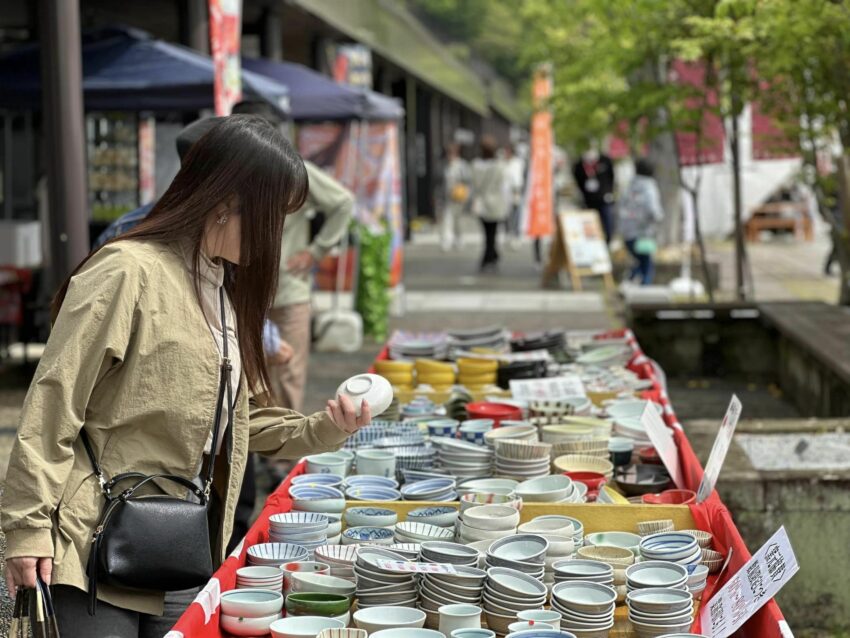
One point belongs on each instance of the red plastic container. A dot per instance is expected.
(497, 411)
(671, 497)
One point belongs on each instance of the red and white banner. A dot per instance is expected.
(225, 38)
(541, 196)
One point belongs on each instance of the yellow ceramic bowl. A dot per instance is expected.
(436, 378)
(398, 378)
(476, 379)
(394, 367)
(477, 366)
(427, 366)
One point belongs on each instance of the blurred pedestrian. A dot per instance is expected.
(488, 199)
(457, 178)
(594, 175)
(155, 333)
(514, 184)
(640, 214)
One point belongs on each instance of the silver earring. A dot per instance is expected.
(222, 220)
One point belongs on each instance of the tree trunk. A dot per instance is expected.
(662, 153)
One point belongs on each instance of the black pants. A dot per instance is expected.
(491, 255)
(245, 505)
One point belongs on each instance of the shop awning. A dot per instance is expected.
(128, 70)
(316, 97)
(393, 33)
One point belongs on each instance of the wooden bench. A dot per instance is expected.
(775, 216)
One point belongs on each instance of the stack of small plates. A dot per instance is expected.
(494, 338)
(507, 592)
(463, 459)
(519, 432)
(656, 573)
(377, 586)
(409, 532)
(655, 612)
(340, 559)
(307, 529)
(259, 577)
(523, 552)
(409, 550)
(385, 433)
(466, 585)
(676, 547)
(444, 552)
(438, 489)
(488, 523)
(584, 606)
(423, 345)
(591, 571)
(522, 460)
(414, 457)
(558, 525)
(276, 554)
(440, 515)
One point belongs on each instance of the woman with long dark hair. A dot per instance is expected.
(135, 363)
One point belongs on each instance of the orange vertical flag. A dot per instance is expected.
(541, 195)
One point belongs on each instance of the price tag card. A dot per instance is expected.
(662, 440)
(548, 389)
(747, 591)
(719, 450)
(416, 568)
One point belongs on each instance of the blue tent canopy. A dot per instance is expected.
(127, 70)
(316, 97)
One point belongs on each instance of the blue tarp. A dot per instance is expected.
(316, 97)
(127, 70)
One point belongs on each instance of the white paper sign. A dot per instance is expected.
(719, 450)
(548, 389)
(747, 591)
(416, 568)
(662, 440)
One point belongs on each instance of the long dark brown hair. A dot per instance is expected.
(242, 159)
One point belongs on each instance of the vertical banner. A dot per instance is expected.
(225, 36)
(539, 219)
(147, 160)
(352, 65)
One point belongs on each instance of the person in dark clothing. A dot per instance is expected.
(594, 175)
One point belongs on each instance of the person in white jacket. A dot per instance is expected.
(640, 213)
(488, 199)
(456, 178)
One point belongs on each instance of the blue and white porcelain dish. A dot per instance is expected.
(441, 516)
(368, 480)
(374, 516)
(428, 490)
(442, 427)
(312, 480)
(301, 521)
(368, 493)
(355, 535)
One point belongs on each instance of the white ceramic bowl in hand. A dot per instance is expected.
(372, 388)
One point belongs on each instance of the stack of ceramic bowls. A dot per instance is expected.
(378, 586)
(442, 427)
(339, 558)
(465, 586)
(276, 554)
(437, 374)
(375, 619)
(580, 406)
(501, 486)
(473, 430)
(370, 517)
(414, 457)
(557, 525)
(624, 540)
(578, 569)
(560, 548)
(312, 480)
(477, 373)
(476, 499)
(495, 338)
(399, 373)
(676, 547)
(656, 573)
(408, 532)
(656, 612)
(507, 592)
(518, 432)
(382, 434)
(462, 459)
(584, 463)
(598, 446)
(522, 460)
(443, 552)
(319, 499)
(257, 577)
(488, 523)
(415, 345)
(306, 583)
(409, 550)
(522, 552)
(556, 488)
(585, 607)
(440, 515)
(372, 488)
(617, 557)
(438, 489)
(303, 626)
(307, 529)
(697, 580)
(249, 612)
(368, 535)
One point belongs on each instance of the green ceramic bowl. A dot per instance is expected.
(317, 604)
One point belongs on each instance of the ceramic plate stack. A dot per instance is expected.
(414, 457)
(676, 547)
(657, 612)
(377, 586)
(385, 434)
(444, 552)
(492, 338)
(585, 606)
(409, 550)
(593, 446)
(440, 515)
(697, 580)
(522, 552)
(560, 548)
(339, 558)
(507, 592)
(259, 577)
(436, 590)
(500, 486)
(522, 460)
(307, 529)
(408, 532)
(556, 488)
(276, 554)
(580, 570)
(463, 459)
(656, 573)
(487, 523)
(518, 432)
(557, 525)
(438, 489)
(424, 345)
(317, 498)
(554, 341)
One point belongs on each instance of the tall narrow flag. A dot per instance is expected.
(541, 196)
(225, 43)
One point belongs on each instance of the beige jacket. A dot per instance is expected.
(132, 359)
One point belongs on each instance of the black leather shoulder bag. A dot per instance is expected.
(156, 542)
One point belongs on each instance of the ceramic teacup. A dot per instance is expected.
(376, 462)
